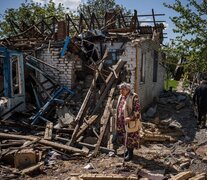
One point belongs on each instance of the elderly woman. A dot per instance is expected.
(128, 109)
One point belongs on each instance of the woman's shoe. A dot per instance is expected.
(126, 154)
(129, 155)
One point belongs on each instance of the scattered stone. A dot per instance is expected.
(89, 166)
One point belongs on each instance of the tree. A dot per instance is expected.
(191, 40)
(99, 7)
(27, 14)
(172, 58)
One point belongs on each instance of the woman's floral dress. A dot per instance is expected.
(134, 137)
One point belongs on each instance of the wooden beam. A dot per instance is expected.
(153, 15)
(48, 131)
(44, 142)
(68, 18)
(84, 105)
(86, 125)
(109, 81)
(183, 176)
(105, 119)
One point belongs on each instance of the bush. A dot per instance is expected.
(170, 83)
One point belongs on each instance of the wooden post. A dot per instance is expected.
(48, 131)
(105, 119)
(44, 142)
(136, 71)
(84, 105)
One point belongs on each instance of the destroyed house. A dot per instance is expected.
(63, 76)
(50, 48)
(58, 94)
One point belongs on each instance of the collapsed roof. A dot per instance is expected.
(112, 25)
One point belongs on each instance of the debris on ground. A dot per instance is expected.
(57, 114)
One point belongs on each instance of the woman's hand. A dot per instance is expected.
(127, 119)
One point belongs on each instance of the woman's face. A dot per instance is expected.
(124, 91)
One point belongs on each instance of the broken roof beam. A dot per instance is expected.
(87, 123)
(51, 79)
(110, 20)
(84, 105)
(14, 26)
(123, 20)
(143, 15)
(110, 79)
(81, 25)
(153, 16)
(105, 118)
(44, 142)
(27, 56)
(25, 26)
(44, 26)
(40, 85)
(82, 110)
(93, 20)
(68, 19)
(130, 26)
(96, 68)
(134, 24)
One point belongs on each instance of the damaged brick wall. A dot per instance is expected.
(148, 89)
(66, 66)
(132, 54)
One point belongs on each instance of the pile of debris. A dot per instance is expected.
(168, 146)
(55, 117)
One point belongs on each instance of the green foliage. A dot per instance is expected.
(191, 26)
(99, 7)
(170, 83)
(172, 57)
(28, 13)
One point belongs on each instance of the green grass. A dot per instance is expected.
(171, 83)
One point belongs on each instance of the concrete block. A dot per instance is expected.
(25, 158)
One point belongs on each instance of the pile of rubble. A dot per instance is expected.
(57, 119)
(170, 144)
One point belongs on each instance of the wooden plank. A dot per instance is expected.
(183, 175)
(86, 125)
(44, 142)
(86, 100)
(92, 147)
(105, 119)
(32, 169)
(48, 131)
(107, 177)
(201, 176)
(109, 81)
(157, 137)
(84, 105)
(39, 84)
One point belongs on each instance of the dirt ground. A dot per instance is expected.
(153, 160)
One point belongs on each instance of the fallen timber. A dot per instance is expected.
(44, 142)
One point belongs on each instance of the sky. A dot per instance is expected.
(142, 7)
